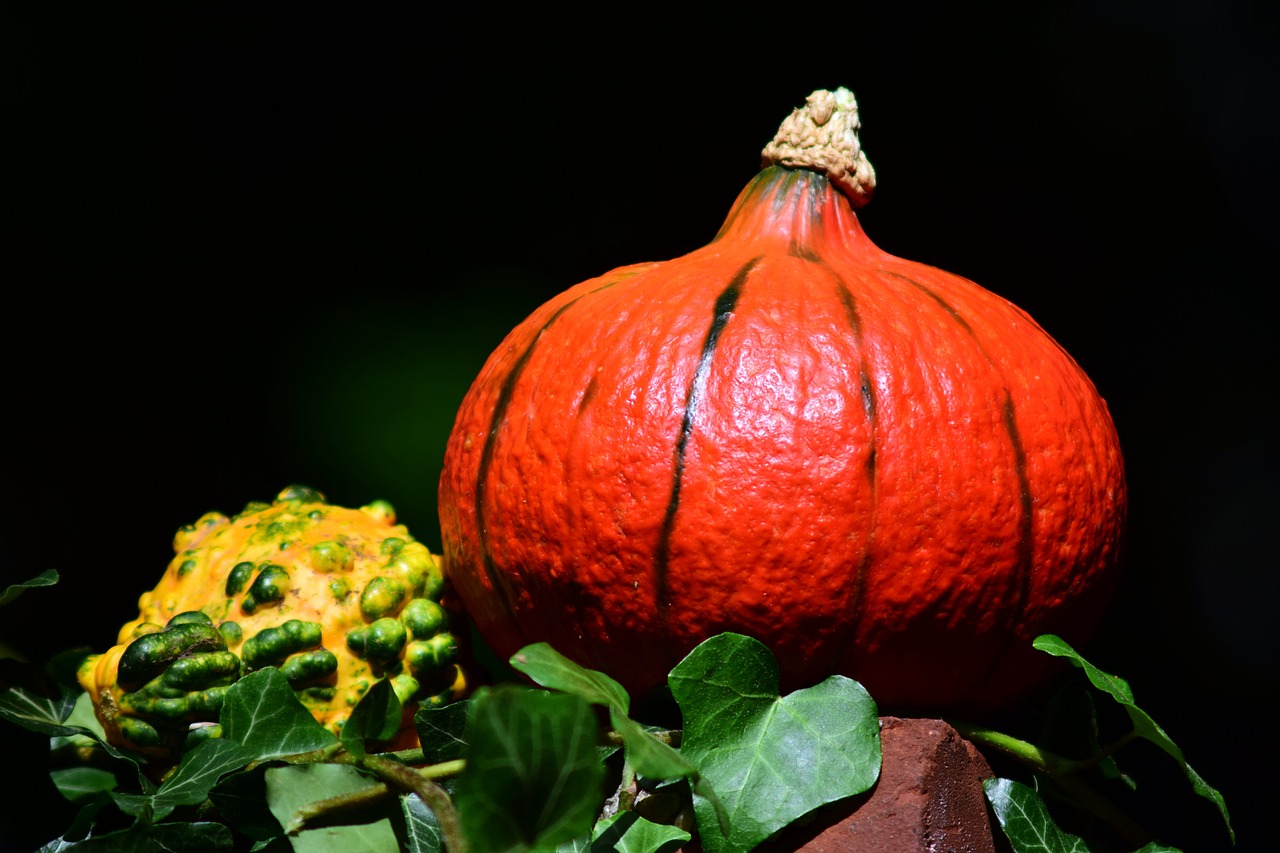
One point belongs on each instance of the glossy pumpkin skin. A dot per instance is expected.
(336, 598)
(874, 466)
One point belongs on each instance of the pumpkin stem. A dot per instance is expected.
(822, 136)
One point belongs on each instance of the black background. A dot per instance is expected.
(243, 249)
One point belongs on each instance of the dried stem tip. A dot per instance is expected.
(823, 136)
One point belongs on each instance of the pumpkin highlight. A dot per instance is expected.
(874, 466)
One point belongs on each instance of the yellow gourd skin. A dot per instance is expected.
(336, 598)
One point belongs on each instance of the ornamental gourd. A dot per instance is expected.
(336, 598)
(874, 466)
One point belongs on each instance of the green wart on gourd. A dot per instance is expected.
(335, 598)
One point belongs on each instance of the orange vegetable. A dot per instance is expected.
(876, 467)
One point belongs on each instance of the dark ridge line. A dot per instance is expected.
(486, 454)
(1026, 521)
(870, 406)
(723, 310)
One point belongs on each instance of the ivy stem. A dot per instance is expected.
(1063, 771)
(436, 798)
(394, 775)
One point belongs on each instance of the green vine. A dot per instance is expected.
(526, 768)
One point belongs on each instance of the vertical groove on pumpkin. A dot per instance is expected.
(723, 310)
(1025, 546)
(490, 440)
(869, 405)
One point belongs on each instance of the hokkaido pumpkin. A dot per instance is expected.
(875, 467)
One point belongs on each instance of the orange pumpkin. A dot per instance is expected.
(874, 466)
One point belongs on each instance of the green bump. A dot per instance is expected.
(188, 617)
(232, 633)
(380, 509)
(427, 657)
(382, 597)
(317, 694)
(187, 567)
(199, 672)
(270, 646)
(303, 494)
(339, 588)
(404, 686)
(138, 732)
(145, 628)
(268, 587)
(239, 578)
(329, 557)
(381, 642)
(424, 618)
(151, 654)
(415, 565)
(309, 666)
(392, 544)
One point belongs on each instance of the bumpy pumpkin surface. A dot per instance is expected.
(336, 598)
(876, 467)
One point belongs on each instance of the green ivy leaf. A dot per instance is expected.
(1026, 821)
(32, 700)
(649, 756)
(40, 705)
(628, 832)
(442, 731)
(241, 800)
(1027, 824)
(261, 713)
(204, 837)
(48, 577)
(1143, 725)
(200, 770)
(772, 759)
(83, 784)
(290, 789)
(375, 717)
(554, 671)
(533, 776)
(422, 830)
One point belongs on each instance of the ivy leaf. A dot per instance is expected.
(205, 837)
(442, 731)
(647, 755)
(36, 703)
(291, 789)
(422, 830)
(241, 800)
(772, 759)
(32, 700)
(1026, 821)
(628, 832)
(554, 671)
(533, 776)
(48, 577)
(375, 717)
(200, 770)
(83, 784)
(261, 713)
(1143, 725)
